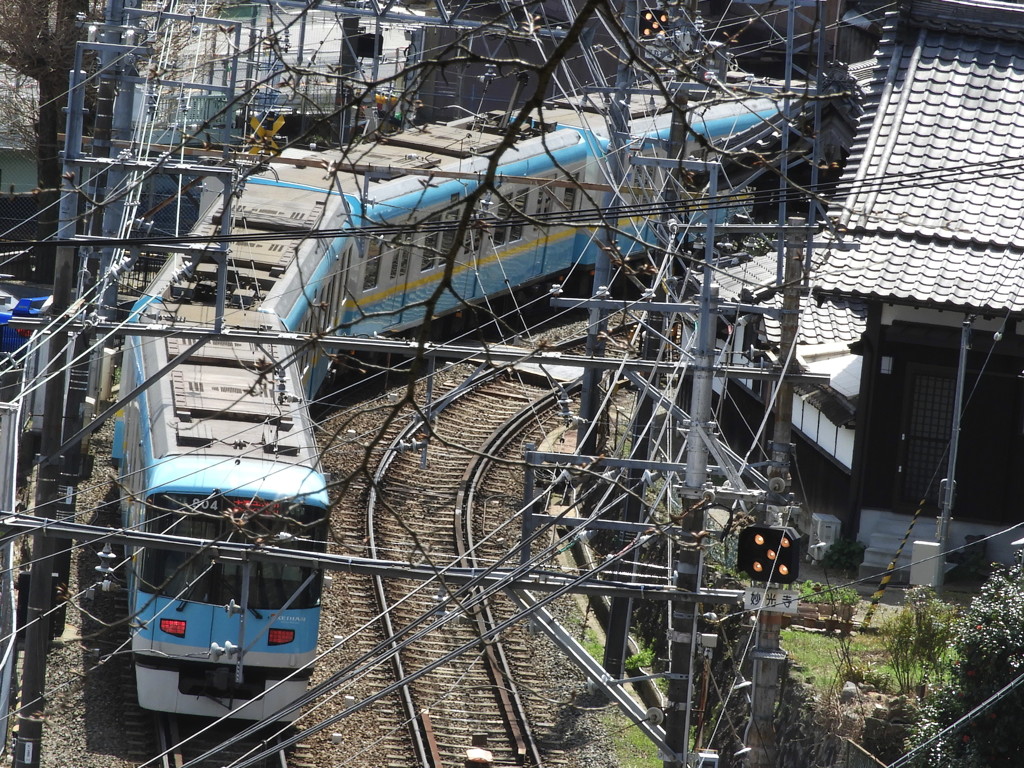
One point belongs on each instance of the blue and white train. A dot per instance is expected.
(221, 447)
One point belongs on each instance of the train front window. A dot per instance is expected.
(193, 577)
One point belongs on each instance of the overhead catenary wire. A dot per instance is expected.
(988, 169)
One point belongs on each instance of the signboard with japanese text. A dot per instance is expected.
(771, 599)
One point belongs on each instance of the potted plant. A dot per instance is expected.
(812, 595)
(846, 599)
(844, 556)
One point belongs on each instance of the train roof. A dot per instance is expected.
(300, 190)
(227, 400)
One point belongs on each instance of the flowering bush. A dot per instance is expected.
(988, 645)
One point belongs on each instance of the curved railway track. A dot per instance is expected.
(469, 699)
(421, 510)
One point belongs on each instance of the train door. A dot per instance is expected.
(545, 202)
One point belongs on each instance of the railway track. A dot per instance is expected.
(431, 723)
(421, 511)
(184, 740)
(93, 721)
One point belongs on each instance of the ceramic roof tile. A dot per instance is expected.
(934, 188)
(831, 321)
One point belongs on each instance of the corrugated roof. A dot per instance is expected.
(936, 188)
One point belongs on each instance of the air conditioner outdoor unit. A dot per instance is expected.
(824, 533)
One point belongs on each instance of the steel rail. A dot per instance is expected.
(515, 712)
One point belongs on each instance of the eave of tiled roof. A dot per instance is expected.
(937, 188)
(836, 320)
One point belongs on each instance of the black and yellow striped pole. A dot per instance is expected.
(887, 577)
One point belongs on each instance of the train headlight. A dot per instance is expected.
(174, 627)
(280, 636)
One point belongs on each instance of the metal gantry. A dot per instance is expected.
(696, 466)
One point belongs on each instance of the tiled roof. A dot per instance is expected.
(935, 189)
(926, 272)
(834, 320)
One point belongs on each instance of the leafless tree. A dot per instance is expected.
(37, 40)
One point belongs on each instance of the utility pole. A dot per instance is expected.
(767, 653)
(688, 561)
(48, 473)
(48, 477)
(621, 609)
(949, 483)
(58, 464)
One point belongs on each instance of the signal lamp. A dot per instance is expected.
(652, 23)
(765, 553)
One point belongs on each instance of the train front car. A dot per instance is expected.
(221, 449)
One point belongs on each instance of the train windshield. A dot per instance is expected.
(192, 576)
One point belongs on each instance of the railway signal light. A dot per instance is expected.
(766, 553)
(652, 23)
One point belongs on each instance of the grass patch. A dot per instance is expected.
(830, 660)
(632, 748)
(593, 643)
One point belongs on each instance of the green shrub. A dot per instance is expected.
(817, 593)
(845, 596)
(642, 659)
(917, 639)
(988, 648)
(844, 555)
(812, 592)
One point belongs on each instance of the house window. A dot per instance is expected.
(928, 424)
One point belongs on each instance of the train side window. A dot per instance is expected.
(519, 202)
(569, 197)
(451, 216)
(430, 256)
(326, 305)
(371, 265)
(543, 201)
(500, 231)
(337, 278)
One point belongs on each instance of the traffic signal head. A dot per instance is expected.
(652, 23)
(766, 553)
